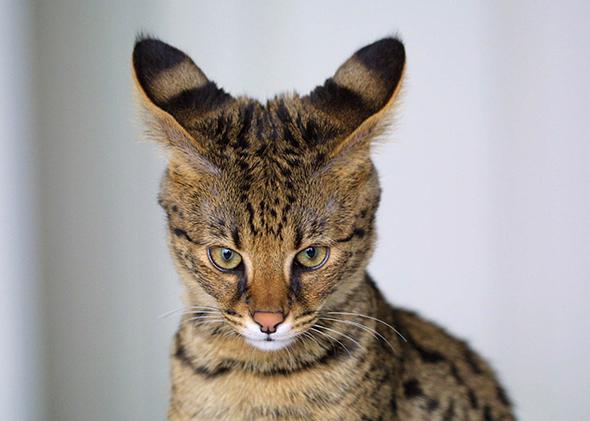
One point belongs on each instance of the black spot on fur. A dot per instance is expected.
(487, 413)
(350, 236)
(472, 399)
(428, 356)
(431, 404)
(244, 166)
(359, 232)
(456, 375)
(470, 359)
(450, 412)
(393, 405)
(183, 234)
(412, 389)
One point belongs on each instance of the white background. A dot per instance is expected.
(484, 224)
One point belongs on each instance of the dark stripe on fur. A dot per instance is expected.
(202, 99)
(181, 355)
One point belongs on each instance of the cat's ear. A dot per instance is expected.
(361, 92)
(173, 92)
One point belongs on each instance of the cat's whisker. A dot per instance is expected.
(310, 336)
(289, 353)
(203, 319)
(206, 317)
(299, 338)
(179, 309)
(205, 307)
(341, 334)
(373, 332)
(200, 315)
(227, 334)
(170, 313)
(370, 318)
(332, 338)
(202, 312)
(209, 322)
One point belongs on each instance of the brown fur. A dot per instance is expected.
(268, 180)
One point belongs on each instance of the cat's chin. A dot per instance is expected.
(274, 345)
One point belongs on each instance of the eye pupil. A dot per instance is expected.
(227, 254)
(310, 252)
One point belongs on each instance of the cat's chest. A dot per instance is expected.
(242, 395)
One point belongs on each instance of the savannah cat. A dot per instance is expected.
(271, 216)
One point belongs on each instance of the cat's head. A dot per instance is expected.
(271, 207)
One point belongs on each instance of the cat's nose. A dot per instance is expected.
(268, 320)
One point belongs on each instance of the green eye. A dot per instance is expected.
(313, 257)
(224, 258)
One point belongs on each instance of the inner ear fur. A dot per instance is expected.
(361, 92)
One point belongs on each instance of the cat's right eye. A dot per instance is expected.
(224, 258)
(313, 257)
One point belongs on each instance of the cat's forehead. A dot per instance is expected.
(268, 155)
(282, 128)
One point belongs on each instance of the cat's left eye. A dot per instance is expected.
(313, 257)
(224, 258)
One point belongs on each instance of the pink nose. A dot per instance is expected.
(268, 320)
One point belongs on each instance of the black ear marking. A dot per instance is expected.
(153, 56)
(172, 81)
(385, 58)
(336, 98)
(200, 100)
(364, 85)
(360, 92)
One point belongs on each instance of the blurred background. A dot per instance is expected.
(484, 224)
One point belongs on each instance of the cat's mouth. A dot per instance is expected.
(281, 338)
(269, 343)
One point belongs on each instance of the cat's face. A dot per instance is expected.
(270, 207)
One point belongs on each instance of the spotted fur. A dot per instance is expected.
(267, 180)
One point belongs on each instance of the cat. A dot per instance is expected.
(271, 215)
